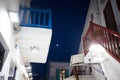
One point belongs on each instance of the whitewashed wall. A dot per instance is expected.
(12, 5)
(6, 31)
(97, 73)
(110, 66)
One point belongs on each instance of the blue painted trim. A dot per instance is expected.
(29, 17)
(44, 18)
(39, 17)
(57, 74)
(23, 18)
(35, 15)
(50, 19)
(35, 25)
(41, 10)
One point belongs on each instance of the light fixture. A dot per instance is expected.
(31, 78)
(28, 68)
(30, 74)
(14, 16)
(96, 47)
(34, 49)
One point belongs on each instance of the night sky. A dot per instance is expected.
(68, 18)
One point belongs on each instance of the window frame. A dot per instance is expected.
(5, 46)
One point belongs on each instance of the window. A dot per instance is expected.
(61, 74)
(109, 17)
(118, 4)
(2, 52)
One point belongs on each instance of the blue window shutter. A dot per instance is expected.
(66, 73)
(57, 74)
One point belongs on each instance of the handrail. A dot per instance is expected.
(35, 17)
(75, 73)
(99, 71)
(109, 39)
(96, 69)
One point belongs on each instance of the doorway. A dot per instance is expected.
(109, 17)
(2, 52)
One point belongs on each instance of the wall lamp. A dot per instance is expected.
(34, 49)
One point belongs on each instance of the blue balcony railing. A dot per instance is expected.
(35, 18)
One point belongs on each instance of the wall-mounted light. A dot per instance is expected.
(34, 49)
(31, 78)
(14, 16)
(96, 47)
(30, 74)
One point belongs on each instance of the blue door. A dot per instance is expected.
(66, 73)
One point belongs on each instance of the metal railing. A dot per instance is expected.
(35, 17)
(109, 39)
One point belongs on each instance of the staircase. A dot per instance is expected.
(29, 70)
(106, 50)
(109, 39)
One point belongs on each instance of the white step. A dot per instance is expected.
(85, 77)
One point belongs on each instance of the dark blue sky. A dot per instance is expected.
(68, 17)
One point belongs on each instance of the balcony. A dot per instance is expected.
(35, 34)
(35, 18)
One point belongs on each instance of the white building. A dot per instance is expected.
(21, 45)
(100, 42)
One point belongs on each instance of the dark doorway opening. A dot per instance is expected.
(2, 52)
(109, 17)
